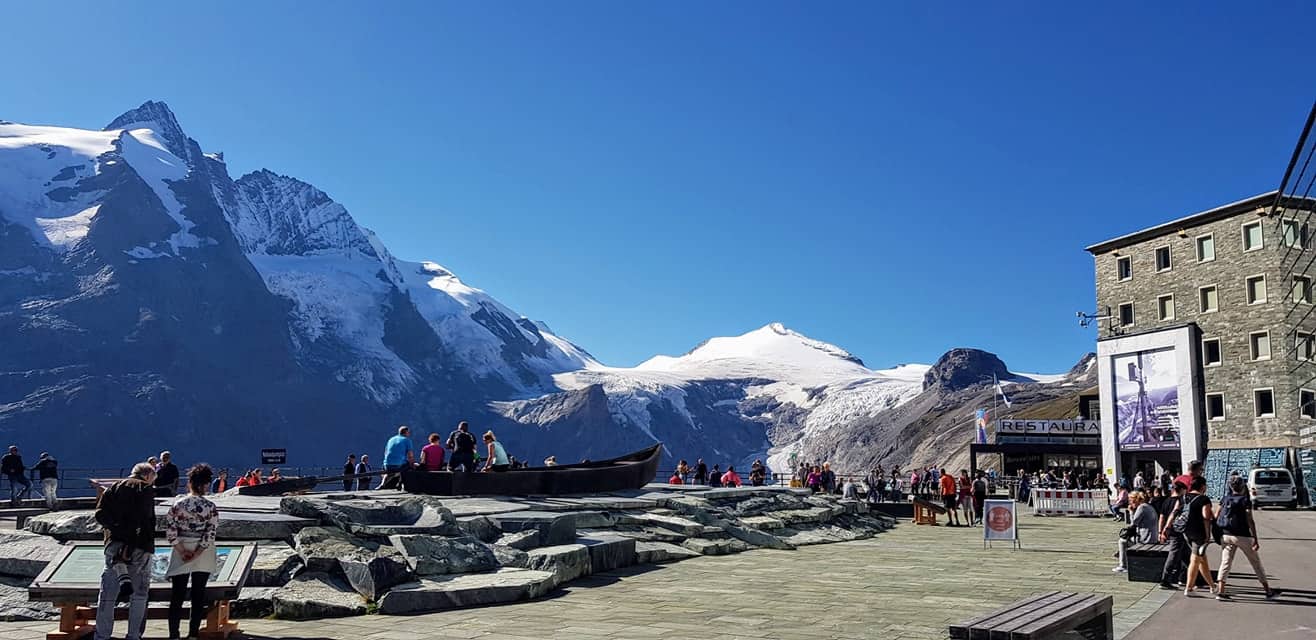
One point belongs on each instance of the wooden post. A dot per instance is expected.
(75, 621)
(218, 626)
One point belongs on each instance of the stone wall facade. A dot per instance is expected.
(1238, 375)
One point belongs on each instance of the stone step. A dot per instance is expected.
(311, 596)
(661, 552)
(467, 590)
(565, 561)
(763, 523)
(800, 516)
(683, 526)
(706, 547)
(608, 551)
(554, 527)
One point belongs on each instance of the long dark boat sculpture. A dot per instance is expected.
(630, 471)
(280, 487)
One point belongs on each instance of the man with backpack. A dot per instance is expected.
(462, 445)
(1176, 558)
(979, 496)
(126, 511)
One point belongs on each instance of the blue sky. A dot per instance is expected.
(895, 178)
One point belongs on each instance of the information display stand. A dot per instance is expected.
(72, 583)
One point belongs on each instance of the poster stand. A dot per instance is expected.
(999, 523)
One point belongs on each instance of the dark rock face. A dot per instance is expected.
(963, 368)
(434, 555)
(311, 596)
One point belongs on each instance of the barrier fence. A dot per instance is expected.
(1066, 502)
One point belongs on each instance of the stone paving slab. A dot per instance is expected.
(909, 583)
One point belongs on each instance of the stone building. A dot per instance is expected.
(1239, 276)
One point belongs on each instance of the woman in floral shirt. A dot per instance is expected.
(190, 528)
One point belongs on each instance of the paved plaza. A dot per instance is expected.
(906, 584)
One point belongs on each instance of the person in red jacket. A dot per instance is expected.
(731, 478)
(675, 479)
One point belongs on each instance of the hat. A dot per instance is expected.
(44, 455)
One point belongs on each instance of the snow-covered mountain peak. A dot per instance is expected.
(157, 117)
(772, 351)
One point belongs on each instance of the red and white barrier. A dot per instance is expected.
(1064, 502)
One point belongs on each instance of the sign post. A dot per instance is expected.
(274, 456)
(999, 523)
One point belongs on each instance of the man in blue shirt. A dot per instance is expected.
(398, 455)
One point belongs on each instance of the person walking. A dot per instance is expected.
(432, 455)
(399, 454)
(48, 471)
(1239, 531)
(126, 512)
(363, 473)
(190, 528)
(497, 459)
(462, 445)
(979, 496)
(1176, 557)
(965, 486)
(1196, 528)
(11, 465)
(948, 500)
(349, 472)
(166, 477)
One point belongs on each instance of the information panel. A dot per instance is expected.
(999, 522)
(86, 562)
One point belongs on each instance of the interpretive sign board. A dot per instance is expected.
(274, 456)
(75, 575)
(999, 523)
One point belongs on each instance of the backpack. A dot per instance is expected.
(1233, 517)
(1185, 513)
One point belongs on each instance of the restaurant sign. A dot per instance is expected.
(1048, 431)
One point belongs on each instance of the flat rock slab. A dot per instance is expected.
(521, 540)
(683, 526)
(510, 557)
(800, 516)
(706, 547)
(467, 590)
(253, 602)
(608, 551)
(370, 567)
(311, 596)
(554, 528)
(24, 554)
(274, 565)
(483, 506)
(66, 525)
(764, 523)
(741, 493)
(435, 555)
(566, 562)
(660, 552)
(15, 607)
(480, 527)
(819, 534)
(382, 516)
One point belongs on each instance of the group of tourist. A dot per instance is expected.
(126, 512)
(700, 474)
(20, 487)
(458, 453)
(1186, 520)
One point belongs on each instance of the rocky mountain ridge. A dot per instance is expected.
(148, 300)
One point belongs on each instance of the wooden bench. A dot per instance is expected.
(1051, 615)
(1145, 561)
(925, 511)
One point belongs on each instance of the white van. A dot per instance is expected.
(1273, 485)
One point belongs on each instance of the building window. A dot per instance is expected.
(1124, 268)
(1305, 346)
(1252, 236)
(1126, 314)
(1162, 259)
(1307, 403)
(1260, 342)
(1210, 299)
(1256, 289)
(1212, 356)
(1294, 234)
(1205, 248)
(1263, 402)
(1165, 307)
(1215, 406)
(1302, 289)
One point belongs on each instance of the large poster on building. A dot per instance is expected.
(1147, 399)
